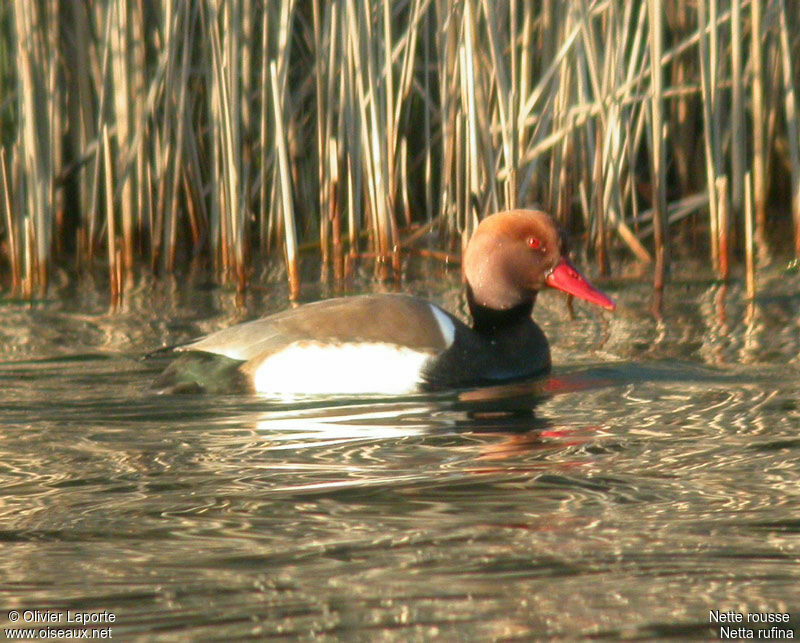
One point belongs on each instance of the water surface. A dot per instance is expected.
(653, 478)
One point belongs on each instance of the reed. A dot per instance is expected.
(13, 252)
(113, 268)
(759, 176)
(290, 234)
(712, 149)
(659, 182)
(738, 141)
(143, 136)
(790, 113)
(749, 243)
(723, 228)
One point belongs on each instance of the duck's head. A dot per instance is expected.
(514, 254)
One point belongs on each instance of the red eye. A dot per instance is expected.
(534, 243)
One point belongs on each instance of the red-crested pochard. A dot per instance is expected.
(394, 344)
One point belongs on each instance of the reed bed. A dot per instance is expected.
(145, 135)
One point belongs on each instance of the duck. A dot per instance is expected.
(395, 344)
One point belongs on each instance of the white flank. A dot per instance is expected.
(312, 368)
(446, 325)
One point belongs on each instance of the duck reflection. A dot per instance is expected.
(484, 424)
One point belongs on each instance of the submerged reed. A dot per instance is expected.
(157, 133)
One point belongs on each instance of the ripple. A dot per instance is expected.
(652, 477)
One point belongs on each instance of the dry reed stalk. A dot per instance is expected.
(792, 130)
(661, 239)
(359, 123)
(334, 91)
(114, 273)
(403, 157)
(321, 115)
(512, 187)
(773, 90)
(750, 273)
(614, 145)
(351, 133)
(710, 141)
(290, 233)
(460, 108)
(28, 283)
(102, 87)
(428, 168)
(333, 212)
(191, 213)
(139, 110)
(382, 176)
(679, 110)
(759, 116)
(179, 72)
(224, 108)
(463, 223)
(716, 123)
(526, 59)
(467, 61)
(724, 227)
(282, 56)
(351, 211)
(601, 252)
(387, 122)
(54, 106)
(404, 86)
(245, 15)
(35, 142)
(557, 198)
(359, 39)
(81, 116)
(120, 74)
(231, 77)
(559, 62)
(713, 37)
(505, 96)
(264, 216)
(738, 142)
(676, 211)
(13, 248)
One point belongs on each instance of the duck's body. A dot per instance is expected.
(397, 344)
(389, 344)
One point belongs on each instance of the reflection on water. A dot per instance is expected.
(653, 477)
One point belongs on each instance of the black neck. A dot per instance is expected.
(488, 320)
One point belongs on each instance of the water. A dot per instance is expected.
(653, 478)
